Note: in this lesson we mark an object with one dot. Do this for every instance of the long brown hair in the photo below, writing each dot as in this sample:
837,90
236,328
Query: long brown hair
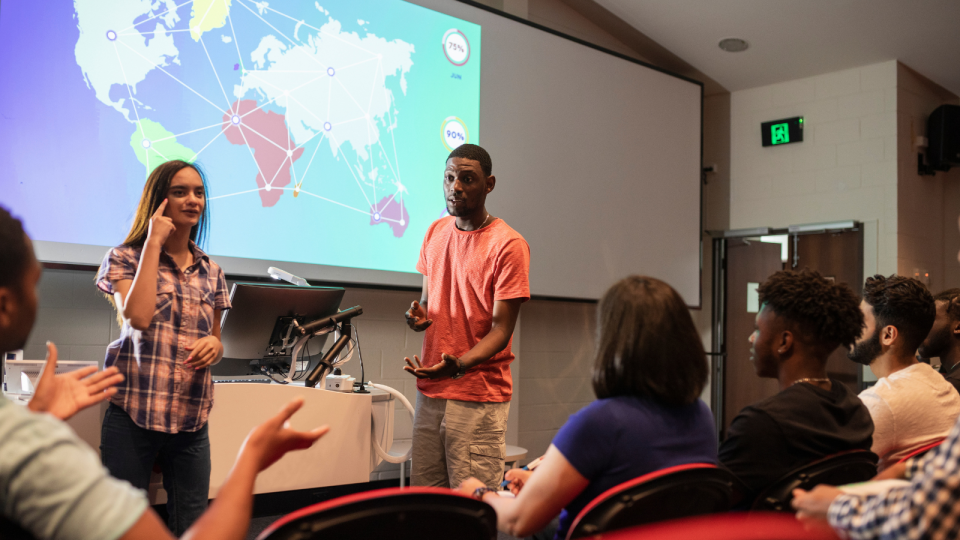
647,345
154,192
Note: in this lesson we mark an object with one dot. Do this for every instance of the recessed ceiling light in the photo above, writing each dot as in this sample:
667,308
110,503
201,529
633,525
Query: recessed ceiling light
733,44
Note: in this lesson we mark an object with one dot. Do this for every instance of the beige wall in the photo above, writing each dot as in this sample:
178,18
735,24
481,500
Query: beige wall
846,167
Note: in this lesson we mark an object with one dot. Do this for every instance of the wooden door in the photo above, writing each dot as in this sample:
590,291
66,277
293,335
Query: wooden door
747,262
838,256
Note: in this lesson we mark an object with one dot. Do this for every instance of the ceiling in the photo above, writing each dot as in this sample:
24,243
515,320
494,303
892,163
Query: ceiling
793,39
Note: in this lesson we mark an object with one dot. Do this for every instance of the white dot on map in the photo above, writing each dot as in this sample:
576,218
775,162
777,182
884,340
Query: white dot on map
327,126
235,119
403,222
145,143
376,216
331,71
268,187
289,153
111,35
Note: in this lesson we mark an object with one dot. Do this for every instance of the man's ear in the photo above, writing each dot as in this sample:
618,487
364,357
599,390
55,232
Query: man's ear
888,335
7,307
785,346
491,183
955,329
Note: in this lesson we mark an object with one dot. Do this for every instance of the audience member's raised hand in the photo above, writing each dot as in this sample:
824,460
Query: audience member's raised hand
516,478
65,395
269,441
814,504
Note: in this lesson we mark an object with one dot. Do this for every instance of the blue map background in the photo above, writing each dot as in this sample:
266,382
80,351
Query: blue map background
73,176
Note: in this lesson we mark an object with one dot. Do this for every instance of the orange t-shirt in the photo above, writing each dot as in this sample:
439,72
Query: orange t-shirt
467,271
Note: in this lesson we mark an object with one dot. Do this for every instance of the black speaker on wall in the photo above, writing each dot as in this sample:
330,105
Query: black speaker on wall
943,137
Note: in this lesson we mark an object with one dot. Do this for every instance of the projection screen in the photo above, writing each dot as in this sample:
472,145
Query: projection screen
323,129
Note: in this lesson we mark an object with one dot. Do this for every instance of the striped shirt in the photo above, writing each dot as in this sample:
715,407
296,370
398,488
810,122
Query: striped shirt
160,392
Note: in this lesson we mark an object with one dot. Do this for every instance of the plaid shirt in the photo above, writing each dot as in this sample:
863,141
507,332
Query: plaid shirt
929,508
159,392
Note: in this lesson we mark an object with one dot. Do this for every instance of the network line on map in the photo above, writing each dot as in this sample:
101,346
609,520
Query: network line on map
235,118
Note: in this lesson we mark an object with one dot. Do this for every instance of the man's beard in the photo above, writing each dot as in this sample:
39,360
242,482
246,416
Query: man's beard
867,350
935,344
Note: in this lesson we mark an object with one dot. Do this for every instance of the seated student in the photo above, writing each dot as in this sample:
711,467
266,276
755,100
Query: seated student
943,341
648,374
52,484
911,405
802,320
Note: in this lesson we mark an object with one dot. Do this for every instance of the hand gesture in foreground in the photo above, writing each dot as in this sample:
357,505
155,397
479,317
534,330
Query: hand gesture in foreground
269,441
161,227
65,395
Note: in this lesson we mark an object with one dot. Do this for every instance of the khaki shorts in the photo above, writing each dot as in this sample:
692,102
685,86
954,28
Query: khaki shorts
454,440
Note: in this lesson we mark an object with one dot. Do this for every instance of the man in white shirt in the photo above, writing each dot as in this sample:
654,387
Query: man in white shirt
912,405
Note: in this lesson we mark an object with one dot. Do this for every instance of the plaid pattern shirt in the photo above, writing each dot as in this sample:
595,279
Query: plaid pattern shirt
929,508
159,392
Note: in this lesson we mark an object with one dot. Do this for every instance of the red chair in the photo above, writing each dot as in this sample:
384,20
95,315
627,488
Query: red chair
835,470
682,491
920,451
732,526
416,513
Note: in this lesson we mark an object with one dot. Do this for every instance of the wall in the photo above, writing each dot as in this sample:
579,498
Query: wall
927,235
846,167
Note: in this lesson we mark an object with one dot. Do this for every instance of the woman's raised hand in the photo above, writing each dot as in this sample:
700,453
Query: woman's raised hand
161,227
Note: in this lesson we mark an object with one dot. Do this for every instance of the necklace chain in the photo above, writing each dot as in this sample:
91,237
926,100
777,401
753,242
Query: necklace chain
482,225
810,380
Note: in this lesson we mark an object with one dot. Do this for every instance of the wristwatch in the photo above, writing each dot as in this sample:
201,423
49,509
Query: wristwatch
481,491
461,371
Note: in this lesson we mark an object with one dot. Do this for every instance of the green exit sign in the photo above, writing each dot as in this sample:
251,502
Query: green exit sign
778,132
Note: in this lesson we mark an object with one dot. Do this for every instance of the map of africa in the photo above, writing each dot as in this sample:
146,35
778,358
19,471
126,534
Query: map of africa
324,119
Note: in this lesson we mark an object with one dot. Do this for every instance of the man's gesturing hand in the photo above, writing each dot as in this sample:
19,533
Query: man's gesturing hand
65,395
448,368
417,318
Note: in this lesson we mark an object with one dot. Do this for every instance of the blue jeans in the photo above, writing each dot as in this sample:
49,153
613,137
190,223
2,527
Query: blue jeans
129,452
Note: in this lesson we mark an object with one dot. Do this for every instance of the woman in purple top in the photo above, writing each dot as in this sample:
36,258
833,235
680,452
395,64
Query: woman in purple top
649,371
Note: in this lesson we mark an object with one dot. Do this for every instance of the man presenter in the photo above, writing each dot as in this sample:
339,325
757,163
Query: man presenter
475,276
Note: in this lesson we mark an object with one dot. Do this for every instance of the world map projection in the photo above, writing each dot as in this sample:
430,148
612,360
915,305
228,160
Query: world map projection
322,127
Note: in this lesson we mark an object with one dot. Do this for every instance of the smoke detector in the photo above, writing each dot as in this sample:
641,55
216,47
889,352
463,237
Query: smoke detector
733,44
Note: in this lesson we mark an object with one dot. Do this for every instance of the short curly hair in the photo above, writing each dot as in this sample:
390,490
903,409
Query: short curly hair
826,313
476,153
15,253
952,298
904,303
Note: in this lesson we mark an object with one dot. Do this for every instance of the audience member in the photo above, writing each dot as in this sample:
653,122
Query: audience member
52,483
911,405
803,318
943,341
648,374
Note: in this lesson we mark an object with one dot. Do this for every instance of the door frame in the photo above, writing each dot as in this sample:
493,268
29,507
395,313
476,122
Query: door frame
717,356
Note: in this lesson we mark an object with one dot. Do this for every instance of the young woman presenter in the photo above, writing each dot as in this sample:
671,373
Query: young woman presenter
170,296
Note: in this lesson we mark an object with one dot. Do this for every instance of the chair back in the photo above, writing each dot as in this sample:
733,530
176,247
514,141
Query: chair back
921,451
415,513
835,470
729,526
682,491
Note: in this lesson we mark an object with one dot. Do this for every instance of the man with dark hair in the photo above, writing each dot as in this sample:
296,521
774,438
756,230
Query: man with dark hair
52,485
803,319
943,341
911,405
475,276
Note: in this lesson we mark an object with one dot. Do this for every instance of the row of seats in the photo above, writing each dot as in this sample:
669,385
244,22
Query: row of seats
674,493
